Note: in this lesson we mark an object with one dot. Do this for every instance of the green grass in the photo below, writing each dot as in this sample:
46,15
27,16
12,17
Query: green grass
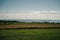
30,34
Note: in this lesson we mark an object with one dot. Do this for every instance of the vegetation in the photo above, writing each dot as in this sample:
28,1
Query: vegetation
18,22
29,25
30,34
15,30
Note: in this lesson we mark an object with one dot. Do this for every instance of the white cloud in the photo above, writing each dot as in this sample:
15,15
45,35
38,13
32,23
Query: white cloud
27,12
53,11
59,11
30,16
43,11
35,11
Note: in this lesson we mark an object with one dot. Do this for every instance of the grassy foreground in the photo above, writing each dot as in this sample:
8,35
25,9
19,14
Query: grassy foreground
30,34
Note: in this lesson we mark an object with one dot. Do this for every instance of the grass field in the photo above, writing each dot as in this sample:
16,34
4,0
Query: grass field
29,34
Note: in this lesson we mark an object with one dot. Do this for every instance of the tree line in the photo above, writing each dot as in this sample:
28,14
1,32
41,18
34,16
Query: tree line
17,22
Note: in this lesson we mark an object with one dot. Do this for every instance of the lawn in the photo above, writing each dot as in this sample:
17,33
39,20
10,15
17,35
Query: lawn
29,34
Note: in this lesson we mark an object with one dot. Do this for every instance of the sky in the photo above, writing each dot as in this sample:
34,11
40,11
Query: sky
30,9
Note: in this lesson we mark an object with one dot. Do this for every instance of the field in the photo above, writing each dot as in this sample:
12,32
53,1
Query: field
30,25
29,31
17,24
29,34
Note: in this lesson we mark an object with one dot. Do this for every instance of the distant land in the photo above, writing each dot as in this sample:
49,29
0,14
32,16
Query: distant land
28,23
32,20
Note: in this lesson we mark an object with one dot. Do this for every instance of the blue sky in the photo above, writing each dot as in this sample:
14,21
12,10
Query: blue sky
30,9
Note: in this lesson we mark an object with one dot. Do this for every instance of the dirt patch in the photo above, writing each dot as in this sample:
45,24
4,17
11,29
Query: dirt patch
29,25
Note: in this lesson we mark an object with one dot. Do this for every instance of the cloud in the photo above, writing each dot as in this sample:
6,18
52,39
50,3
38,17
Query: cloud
35,11
30,16
53,11
59,11
52,15
44,11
